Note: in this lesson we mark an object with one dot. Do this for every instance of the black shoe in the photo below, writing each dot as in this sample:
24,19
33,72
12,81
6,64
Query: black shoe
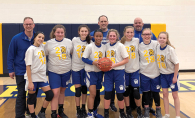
139,112
106,114
129,115
61,114
53,115
122,115
79,114
113,108
83,113
152,110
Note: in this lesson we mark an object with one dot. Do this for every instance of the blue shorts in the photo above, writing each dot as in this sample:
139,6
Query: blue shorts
115,77
148,84
78,77
94,78
58,80
37,85
166,82
132,79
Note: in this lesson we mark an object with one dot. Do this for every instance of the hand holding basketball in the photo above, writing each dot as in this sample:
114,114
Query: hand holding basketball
105,64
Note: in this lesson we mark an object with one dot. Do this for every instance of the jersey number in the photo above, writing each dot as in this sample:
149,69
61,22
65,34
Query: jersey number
61,56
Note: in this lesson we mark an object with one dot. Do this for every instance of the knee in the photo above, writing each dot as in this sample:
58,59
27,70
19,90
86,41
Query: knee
107,95
136,93
175,96
62,90
49,95
165,95
84,89
127,92
32,98
78,92
120,96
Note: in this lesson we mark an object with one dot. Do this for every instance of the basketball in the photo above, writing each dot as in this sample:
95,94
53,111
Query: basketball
105,64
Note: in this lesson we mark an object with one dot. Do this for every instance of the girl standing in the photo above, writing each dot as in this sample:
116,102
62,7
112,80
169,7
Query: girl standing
117,53
35,76
58,49
169,66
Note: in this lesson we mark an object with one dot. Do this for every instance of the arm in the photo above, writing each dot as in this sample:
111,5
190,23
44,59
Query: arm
124,61
175,73
30,83
86,60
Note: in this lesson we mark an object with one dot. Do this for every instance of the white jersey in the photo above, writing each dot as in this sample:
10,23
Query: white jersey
94,53
36,58
132,50
59,55
116,54
78,49
148,64
166,59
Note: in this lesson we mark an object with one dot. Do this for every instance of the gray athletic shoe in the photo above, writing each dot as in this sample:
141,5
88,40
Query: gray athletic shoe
41,115
158,113
28,116
147,112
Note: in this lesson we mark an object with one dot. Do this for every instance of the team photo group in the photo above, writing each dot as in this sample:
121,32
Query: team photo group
135,66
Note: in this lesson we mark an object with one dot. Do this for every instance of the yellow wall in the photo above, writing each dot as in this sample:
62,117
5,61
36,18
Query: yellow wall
157,28
1,50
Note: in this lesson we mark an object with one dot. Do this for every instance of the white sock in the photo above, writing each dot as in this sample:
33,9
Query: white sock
167,115
177,117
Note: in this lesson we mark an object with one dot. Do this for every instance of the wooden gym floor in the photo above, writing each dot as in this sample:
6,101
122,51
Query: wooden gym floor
186,94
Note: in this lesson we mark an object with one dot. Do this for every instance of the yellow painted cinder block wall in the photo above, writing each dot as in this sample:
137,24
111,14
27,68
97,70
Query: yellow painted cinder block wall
1,50
157,28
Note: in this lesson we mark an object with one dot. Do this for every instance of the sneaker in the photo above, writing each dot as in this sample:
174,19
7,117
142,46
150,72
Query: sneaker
129,115
96,115
53,115
27,116
106,114
113,108
158,113
90,115
41,115
147,112
61,114
83,112
79,114
166,116
152,110
139,113
122,115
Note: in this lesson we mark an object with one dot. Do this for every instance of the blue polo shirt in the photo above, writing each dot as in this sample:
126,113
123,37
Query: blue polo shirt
16,53
137,34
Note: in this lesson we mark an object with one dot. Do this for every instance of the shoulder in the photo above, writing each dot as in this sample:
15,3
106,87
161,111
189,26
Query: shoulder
18,36
68,40
75,39
135,39
92,33
51,40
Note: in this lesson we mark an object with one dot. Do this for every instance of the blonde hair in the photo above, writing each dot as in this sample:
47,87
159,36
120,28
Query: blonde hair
123,39
168,41
54,29
115,31
147,29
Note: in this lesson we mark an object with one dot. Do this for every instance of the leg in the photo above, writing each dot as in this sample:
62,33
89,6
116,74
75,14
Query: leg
176,102
156,97
166,100
54,102
31,100
146,98
92,90
77,94
84,98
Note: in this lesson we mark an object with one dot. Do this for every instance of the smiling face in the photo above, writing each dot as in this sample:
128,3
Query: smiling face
28,25
103,23
39,39
162,39
59,34
129,33
98,36
83,32
138,24
112,37
146,35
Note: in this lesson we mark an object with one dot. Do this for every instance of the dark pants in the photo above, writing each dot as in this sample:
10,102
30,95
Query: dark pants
20,107
112,96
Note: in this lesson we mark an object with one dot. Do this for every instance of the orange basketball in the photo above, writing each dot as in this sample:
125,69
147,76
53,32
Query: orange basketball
105,64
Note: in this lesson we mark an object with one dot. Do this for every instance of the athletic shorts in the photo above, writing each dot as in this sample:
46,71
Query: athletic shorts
132,79
166,82
58,80
149,84
78,77
94,78
36,85
116,77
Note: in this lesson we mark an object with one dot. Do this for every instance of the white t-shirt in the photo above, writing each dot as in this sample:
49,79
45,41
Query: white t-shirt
166,59
78,49
116,54
36,58
148,64
94,53
132,49
59,55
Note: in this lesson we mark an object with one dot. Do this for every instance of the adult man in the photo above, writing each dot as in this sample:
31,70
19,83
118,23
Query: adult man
138,26
103,25
16,64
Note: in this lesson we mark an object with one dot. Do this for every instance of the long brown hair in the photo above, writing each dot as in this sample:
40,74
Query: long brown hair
123,39
168,41
54,29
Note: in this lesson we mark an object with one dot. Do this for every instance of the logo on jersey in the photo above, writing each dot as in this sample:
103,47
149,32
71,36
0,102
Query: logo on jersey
63,49
157,86
121,87
43,54
83,49
136,81
151,52
162,58
132,48
112,53
100,55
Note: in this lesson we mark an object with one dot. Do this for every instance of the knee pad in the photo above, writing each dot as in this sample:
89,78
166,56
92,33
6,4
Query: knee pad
146,98
84,89
127,92
78,92
107,95
32,98
49,95
136,93
120,96
156,97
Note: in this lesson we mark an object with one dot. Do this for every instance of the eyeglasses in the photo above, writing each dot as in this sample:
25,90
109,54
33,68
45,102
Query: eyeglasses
146,34
30,24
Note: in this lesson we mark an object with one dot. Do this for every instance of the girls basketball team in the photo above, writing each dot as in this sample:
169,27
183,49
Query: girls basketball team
149,65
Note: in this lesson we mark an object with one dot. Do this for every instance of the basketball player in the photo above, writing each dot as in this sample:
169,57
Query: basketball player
58,49
117,53
169,65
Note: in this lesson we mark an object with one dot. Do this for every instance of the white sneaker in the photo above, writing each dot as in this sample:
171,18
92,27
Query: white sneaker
166,116
27,116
